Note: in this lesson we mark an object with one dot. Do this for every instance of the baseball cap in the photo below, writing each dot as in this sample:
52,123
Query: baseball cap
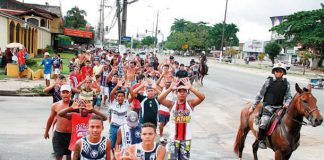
181,87
65,88
46,54
132,119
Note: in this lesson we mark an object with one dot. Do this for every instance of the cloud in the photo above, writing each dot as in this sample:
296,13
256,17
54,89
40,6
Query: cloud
251,16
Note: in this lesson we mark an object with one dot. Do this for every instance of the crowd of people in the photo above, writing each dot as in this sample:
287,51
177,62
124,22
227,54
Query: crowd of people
140,94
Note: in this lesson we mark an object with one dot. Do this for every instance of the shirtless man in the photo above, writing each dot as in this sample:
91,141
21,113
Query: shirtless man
62,133
131,71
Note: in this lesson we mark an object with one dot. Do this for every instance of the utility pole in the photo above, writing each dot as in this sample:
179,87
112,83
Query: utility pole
118,20
224,22
102,22
156,28
124,18
101,28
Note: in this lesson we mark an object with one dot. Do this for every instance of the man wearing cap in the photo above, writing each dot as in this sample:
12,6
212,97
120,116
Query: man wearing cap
62,133
48,63
130,132
276,94
181,112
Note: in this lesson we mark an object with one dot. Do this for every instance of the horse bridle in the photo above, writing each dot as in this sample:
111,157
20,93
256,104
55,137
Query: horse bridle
307,110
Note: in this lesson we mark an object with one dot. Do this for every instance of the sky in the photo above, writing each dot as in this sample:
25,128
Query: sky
252,17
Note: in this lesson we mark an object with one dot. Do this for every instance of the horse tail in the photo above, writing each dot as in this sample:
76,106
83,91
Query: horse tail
242,132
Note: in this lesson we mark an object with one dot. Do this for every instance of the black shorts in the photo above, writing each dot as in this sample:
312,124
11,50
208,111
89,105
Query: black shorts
164,118
61,142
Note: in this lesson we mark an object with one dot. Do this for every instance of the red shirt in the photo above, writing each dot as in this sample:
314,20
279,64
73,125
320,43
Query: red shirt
79,128
76,79
136,103
21,57
86,71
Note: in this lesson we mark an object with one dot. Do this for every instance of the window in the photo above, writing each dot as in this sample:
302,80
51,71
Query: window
33,21
11,32
18,33
43,23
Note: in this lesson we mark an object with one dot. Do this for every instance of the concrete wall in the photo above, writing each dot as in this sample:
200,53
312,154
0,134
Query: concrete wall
44,39
3,33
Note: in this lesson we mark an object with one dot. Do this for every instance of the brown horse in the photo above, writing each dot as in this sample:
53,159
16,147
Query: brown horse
285,137
203,70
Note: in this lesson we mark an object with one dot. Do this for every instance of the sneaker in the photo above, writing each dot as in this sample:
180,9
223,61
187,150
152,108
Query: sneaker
262,145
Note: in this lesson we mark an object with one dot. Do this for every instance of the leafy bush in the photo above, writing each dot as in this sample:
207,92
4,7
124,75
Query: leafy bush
31,62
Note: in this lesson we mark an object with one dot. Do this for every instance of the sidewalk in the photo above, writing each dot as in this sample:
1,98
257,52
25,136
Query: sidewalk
266,65
17,87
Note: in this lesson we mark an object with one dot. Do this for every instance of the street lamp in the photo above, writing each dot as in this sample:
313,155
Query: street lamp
157,24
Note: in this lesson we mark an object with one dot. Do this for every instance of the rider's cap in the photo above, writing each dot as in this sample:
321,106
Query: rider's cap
280,66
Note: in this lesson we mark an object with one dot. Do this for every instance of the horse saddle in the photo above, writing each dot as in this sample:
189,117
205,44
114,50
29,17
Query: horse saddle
274,120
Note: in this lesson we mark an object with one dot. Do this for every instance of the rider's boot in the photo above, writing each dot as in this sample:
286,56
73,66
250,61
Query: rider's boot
261,137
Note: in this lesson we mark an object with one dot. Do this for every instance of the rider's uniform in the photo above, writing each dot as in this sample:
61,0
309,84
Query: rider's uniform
275,93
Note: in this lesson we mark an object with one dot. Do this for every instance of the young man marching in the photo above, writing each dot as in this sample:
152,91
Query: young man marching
181,112
146,150
93,146
79,120
62,133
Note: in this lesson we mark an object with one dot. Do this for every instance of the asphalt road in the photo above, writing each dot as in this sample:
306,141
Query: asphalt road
215,121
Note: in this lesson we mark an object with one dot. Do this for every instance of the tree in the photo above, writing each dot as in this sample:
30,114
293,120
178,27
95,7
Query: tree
261,57
148,40
230,38
305,28
305,57
272,49
75,18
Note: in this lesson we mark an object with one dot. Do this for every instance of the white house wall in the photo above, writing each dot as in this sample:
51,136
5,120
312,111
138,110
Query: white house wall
4,32
44,39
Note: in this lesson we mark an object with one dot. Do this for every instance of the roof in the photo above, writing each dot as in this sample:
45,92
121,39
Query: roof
53,9
19,6
19,13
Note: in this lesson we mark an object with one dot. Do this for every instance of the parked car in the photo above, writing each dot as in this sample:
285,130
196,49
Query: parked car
227,59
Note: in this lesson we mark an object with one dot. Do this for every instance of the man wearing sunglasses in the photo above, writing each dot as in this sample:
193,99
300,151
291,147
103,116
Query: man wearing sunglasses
276,94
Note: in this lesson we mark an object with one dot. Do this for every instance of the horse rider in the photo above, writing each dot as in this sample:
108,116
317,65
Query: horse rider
203,58
276,94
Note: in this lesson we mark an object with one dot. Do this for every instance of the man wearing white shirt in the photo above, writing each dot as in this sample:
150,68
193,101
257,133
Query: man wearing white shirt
118,110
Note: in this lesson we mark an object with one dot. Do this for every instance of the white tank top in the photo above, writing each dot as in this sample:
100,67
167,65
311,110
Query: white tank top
183,116
170,97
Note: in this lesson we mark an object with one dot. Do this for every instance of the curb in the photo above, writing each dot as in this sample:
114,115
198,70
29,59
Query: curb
16,94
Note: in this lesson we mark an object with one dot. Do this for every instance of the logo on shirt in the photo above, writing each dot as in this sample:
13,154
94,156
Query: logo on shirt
94,154
181,116
138,134
81,130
